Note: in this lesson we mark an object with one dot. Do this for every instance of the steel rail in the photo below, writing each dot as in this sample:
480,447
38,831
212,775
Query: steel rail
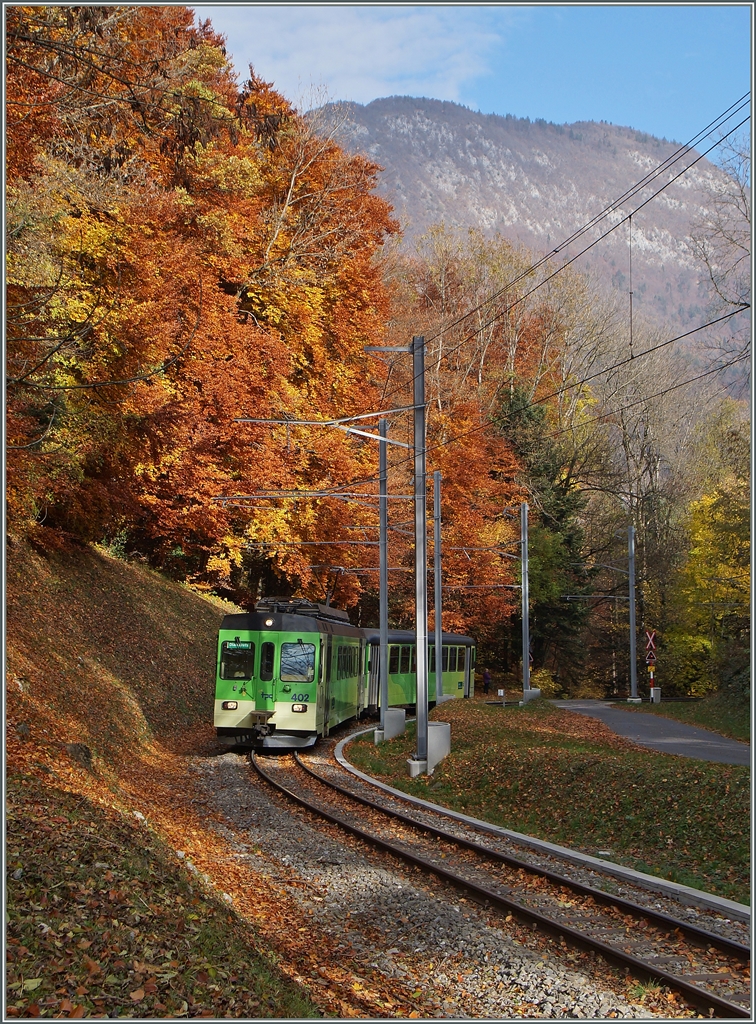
691,931
640,968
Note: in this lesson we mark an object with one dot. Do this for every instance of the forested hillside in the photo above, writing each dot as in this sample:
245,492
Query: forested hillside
188,255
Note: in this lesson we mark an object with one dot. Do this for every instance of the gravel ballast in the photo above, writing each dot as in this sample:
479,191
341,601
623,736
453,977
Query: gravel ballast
413,930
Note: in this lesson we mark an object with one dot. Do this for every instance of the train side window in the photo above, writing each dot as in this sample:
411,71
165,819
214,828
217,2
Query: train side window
413,664
432,667
393,660
452,659
404,666
298,662
237,659
444,659
460,659
267,652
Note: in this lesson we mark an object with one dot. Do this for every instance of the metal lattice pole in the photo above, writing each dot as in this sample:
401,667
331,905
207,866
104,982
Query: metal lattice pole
437,580
421,541
525,598
383,563
631,572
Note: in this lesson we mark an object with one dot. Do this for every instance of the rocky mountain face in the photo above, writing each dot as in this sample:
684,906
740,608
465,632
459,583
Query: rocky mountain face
536,183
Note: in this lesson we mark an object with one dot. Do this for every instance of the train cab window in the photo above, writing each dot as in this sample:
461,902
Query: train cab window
237,659
267,652
444,659
393,660
404,665
297,662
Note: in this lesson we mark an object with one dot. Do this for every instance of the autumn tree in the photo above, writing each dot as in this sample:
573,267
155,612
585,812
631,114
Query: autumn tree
709,634
505,350
182,252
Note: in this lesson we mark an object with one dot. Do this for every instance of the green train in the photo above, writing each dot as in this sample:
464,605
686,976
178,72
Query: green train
291,670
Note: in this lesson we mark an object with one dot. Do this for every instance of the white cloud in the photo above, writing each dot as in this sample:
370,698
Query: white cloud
359,53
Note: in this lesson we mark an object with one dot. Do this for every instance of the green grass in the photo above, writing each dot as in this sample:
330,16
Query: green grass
101,920
720,713
564,778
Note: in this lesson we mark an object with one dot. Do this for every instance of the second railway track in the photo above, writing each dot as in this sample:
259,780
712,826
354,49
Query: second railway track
710,971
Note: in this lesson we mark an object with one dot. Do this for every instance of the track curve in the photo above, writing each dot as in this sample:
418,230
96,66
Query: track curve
577,915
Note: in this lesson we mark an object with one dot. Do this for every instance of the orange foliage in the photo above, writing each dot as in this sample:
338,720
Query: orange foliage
184,253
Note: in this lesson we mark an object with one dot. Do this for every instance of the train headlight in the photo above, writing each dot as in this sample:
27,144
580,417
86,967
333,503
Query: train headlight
230,705
269,622
299,707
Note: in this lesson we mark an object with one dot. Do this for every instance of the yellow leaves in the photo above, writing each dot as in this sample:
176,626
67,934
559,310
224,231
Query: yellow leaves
227,173
182,197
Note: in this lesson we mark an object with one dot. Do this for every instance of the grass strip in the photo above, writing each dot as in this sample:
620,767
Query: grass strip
568,779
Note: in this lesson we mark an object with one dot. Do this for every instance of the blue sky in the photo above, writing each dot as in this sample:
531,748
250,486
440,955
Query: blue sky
664,69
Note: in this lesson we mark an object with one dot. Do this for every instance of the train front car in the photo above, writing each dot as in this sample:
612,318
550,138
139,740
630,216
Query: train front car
283,674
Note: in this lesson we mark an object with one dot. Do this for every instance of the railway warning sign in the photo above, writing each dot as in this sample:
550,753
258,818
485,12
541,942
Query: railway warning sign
651,640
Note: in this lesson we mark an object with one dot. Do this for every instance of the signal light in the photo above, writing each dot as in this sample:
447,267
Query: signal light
299,707
230,705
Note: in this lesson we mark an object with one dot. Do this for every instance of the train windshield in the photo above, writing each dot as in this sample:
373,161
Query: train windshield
297,662
237,659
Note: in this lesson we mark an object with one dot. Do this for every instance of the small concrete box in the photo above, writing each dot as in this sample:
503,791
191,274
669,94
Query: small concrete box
655,694
394,723
439,743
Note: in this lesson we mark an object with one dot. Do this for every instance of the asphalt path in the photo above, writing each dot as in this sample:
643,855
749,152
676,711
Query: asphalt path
661,733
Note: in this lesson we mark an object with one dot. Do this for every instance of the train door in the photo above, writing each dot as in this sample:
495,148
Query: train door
468,662
373,668
327,686
320,712
321,721
361,680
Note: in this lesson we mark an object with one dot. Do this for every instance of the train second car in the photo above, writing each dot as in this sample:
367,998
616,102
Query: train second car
291,670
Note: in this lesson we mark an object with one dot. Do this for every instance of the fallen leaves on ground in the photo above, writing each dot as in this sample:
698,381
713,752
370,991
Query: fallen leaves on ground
569,779
109,693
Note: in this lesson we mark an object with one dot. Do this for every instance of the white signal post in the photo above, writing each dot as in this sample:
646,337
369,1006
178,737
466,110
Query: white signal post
655,691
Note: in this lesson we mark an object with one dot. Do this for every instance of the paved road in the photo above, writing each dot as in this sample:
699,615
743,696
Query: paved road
661,733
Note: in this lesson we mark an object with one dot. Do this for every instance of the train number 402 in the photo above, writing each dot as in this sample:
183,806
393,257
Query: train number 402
300,696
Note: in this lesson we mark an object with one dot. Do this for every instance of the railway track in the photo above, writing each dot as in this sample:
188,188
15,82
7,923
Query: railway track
710,971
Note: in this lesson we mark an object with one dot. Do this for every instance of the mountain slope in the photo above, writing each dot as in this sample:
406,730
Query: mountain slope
536,183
